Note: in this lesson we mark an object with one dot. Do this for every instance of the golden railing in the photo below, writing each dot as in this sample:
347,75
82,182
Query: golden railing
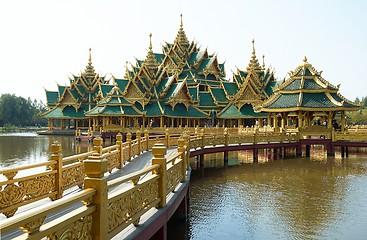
108,207
105,208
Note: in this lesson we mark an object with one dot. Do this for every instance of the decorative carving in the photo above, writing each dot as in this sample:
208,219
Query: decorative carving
124,209
113,159
73,176
81,229
173,177
11,195
10,175
33,226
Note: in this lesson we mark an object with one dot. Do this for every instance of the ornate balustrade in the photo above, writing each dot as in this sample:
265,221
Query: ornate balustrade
76,223
108,206
111,206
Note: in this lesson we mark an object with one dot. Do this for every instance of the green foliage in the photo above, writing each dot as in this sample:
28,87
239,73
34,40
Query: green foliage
20,112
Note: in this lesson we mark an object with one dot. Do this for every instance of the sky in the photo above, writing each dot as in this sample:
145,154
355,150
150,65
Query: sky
43,42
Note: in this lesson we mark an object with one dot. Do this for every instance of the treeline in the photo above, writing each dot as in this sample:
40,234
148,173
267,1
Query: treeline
358,117
20,112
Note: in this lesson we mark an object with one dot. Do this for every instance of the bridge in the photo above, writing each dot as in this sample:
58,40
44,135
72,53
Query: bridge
94,195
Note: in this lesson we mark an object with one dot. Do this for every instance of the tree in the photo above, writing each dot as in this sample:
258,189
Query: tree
20,112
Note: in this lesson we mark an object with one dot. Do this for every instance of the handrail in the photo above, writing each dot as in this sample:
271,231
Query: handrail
131,176
42,211
36,165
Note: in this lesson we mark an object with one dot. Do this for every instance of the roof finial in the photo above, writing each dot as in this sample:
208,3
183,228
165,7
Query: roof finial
305,59
90,56
150,41
263,66
181,25
253,46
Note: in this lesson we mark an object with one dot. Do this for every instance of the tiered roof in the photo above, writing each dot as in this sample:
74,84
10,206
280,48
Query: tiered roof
249,89
81,95
306,90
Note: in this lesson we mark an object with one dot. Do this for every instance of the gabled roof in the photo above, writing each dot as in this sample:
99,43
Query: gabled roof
246,111
306,90
68,112
230,88
52,98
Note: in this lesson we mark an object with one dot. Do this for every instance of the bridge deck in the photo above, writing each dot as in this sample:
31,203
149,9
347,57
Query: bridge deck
137,163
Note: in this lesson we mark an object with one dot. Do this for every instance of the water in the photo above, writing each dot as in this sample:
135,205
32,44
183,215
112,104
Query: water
303,198
19,149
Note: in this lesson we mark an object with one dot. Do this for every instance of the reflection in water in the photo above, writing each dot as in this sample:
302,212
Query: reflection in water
303,198
18,149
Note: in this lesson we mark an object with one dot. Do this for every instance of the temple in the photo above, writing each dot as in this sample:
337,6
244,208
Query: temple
187,86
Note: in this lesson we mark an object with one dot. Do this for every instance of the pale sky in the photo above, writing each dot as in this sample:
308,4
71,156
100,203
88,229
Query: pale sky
44,42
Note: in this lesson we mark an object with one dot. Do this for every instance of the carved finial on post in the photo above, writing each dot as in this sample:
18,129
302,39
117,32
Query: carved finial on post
138,136
159,151
226,138
181,149
119,144
56,155
97,145
129,142
95,167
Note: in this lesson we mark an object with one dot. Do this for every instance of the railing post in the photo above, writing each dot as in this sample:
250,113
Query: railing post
97,145
138,136
282,135
187,145
56,155
95,167
159,151
146,135
255,135
226,137
202,137
119,144
181,149
129,143
167,137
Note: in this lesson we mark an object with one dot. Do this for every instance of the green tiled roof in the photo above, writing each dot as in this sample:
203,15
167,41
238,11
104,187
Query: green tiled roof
105,89
205,63
195,57
246,111
193,92
230,87
269,87
153,109
219,94
206,99
122,83
316,100
75,94
174,88
181,111
114,111
52,98
159,57
61,89
285,101
68,112
163,84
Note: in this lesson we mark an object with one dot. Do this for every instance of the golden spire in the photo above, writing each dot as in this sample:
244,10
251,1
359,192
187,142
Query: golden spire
254,63
263,66
181,35
150,42
89,70
150,60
